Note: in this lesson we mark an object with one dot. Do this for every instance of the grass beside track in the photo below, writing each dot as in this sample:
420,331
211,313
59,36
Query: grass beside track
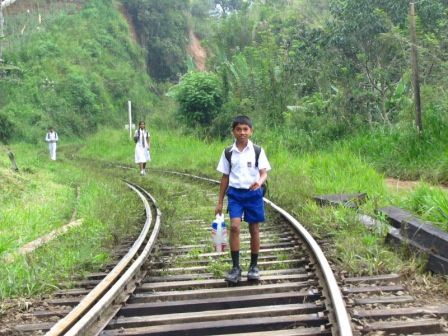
41,198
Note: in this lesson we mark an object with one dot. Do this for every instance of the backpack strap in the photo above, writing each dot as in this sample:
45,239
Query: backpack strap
257,154
228,155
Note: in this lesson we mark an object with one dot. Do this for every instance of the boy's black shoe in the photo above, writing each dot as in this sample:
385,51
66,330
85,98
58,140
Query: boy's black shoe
234,276
253,273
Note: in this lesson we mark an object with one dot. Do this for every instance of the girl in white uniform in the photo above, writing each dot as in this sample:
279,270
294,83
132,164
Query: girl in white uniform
52,139
142,145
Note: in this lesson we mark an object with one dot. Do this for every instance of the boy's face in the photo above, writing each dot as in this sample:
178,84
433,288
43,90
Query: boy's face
242,132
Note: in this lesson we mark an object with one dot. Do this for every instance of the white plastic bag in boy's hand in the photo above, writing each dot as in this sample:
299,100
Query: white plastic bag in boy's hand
219,233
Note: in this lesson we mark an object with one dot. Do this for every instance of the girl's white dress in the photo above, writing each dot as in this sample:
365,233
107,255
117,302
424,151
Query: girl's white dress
52,138
142,147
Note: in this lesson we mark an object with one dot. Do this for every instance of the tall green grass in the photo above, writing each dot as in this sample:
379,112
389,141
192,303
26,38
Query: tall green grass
430,203
398,151
42,197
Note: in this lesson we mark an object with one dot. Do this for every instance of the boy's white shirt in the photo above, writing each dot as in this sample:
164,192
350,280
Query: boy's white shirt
51,136
243,173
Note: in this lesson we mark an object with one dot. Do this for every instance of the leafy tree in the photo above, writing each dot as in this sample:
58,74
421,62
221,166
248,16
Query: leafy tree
374,52
200,98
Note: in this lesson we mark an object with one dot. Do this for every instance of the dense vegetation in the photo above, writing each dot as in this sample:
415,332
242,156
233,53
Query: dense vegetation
76,72
316,72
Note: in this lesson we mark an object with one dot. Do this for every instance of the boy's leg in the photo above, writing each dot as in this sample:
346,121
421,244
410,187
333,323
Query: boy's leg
254,230
235,213
253,272
234,238
254,214
234,275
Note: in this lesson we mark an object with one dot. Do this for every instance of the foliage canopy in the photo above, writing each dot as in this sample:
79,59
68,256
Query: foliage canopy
200,98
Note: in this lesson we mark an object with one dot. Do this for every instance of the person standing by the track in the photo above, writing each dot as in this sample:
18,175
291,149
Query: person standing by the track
142,147
52,138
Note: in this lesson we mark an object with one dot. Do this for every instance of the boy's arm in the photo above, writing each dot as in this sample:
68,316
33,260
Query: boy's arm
222,191
263,176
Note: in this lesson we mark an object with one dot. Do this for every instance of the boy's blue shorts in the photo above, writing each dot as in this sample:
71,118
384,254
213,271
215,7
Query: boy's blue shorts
246,202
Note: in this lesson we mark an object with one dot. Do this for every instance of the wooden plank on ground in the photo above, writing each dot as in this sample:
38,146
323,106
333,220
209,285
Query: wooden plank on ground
427,235
295,262
435,263
247,252
224,326
385,300
317,331
216,315
31,246
441,310
373,278
187,277
34,327
241,301
372,289
395,215
405,327
215,283
438,264
220,292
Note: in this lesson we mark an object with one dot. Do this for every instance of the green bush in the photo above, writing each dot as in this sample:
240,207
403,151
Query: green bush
200,98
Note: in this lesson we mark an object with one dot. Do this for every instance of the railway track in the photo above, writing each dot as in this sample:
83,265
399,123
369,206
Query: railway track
178,288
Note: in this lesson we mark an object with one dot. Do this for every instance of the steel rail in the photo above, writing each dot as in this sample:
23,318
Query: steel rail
89,309
340,311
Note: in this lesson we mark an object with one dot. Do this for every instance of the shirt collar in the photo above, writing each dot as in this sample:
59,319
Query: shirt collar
250,145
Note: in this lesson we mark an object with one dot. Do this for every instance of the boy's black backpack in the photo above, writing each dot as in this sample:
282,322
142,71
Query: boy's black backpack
257,149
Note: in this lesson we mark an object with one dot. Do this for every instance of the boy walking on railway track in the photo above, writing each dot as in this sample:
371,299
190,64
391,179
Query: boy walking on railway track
244,168
142,145
52,138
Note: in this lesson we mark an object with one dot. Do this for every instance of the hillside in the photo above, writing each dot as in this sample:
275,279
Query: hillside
77,68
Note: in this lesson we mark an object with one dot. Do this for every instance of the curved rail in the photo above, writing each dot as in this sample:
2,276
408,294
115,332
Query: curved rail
91,307
340,311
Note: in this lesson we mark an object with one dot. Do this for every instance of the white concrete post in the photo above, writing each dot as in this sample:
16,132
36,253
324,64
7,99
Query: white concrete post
130,119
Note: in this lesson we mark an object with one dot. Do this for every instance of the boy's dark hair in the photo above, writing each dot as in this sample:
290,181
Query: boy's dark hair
242,119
